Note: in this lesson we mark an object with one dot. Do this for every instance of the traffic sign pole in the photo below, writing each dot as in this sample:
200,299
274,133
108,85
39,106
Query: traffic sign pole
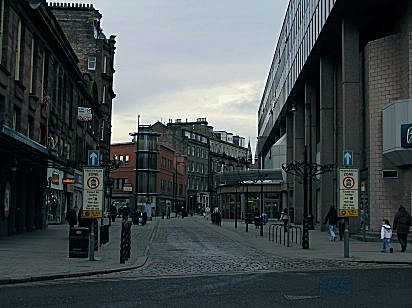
91,241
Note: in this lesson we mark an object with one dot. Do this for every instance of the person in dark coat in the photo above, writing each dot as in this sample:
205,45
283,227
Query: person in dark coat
71,217
332,218
113,212
401,224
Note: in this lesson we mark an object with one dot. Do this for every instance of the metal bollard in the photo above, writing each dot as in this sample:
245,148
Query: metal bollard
128,240
123,244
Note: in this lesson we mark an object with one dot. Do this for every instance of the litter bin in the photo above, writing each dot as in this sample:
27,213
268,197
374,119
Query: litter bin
79,242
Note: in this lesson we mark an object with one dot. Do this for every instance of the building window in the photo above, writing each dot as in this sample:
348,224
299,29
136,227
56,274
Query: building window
31,86
91,63
102,130
1,28
104,64
16,119
126,159
18,52
104,95
30,128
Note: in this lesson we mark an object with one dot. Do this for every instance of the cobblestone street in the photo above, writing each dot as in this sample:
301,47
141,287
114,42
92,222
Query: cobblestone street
193,246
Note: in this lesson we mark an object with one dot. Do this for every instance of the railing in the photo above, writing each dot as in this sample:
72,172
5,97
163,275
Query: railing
279,231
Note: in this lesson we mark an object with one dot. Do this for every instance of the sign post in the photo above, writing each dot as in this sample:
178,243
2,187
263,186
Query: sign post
93,194
348,200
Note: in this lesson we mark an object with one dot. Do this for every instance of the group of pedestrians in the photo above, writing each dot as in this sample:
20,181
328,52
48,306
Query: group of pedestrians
401,223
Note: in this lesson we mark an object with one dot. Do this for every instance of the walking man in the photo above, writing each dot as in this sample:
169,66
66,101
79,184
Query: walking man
401,224
332,218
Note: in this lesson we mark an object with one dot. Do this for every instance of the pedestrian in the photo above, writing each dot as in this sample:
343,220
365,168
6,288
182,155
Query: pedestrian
332,218
71,217
257,220
168,213
113,212
126,211
401,224
285,218
386,236
341,227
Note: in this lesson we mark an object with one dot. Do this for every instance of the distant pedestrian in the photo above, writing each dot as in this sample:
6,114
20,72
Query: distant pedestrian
125,211
113,212
386,236
401,224
332,218
71,217
168,213
285,218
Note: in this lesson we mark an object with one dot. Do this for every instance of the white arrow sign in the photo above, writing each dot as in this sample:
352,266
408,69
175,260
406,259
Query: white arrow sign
93,158
347,158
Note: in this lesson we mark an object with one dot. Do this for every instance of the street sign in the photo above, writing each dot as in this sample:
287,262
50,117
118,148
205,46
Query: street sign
347,158
84,114
93,191
127,187
93,158
348,192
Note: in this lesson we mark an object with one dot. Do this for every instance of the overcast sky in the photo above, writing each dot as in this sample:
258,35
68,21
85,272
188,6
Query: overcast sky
189,59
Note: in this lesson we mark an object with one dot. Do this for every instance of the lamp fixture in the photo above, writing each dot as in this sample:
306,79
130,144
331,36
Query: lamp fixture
34,4
293,108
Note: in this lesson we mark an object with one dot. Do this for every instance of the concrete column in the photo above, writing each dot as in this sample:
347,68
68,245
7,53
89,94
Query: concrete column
351,97
289,158
298,155
327,142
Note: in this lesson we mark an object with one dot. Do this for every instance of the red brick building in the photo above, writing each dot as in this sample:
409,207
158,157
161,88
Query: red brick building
171,179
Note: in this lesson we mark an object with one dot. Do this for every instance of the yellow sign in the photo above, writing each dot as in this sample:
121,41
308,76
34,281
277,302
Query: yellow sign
348,213
92,214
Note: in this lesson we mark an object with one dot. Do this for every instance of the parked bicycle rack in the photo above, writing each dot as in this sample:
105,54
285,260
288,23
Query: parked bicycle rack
277,231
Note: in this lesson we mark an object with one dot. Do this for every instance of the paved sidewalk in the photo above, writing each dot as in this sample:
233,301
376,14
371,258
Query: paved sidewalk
320,247
44,254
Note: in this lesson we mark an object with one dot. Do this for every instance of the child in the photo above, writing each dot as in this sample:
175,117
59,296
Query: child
386,236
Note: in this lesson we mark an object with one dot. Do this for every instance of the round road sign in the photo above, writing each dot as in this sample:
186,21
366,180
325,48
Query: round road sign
93,182
348,182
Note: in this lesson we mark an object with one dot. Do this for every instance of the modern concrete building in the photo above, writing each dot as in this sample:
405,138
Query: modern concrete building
340,82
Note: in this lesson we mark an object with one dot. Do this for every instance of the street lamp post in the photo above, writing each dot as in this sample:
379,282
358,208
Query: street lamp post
236,205
306,171
261,178
136,189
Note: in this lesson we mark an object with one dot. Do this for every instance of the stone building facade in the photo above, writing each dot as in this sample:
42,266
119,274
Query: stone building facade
41,141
